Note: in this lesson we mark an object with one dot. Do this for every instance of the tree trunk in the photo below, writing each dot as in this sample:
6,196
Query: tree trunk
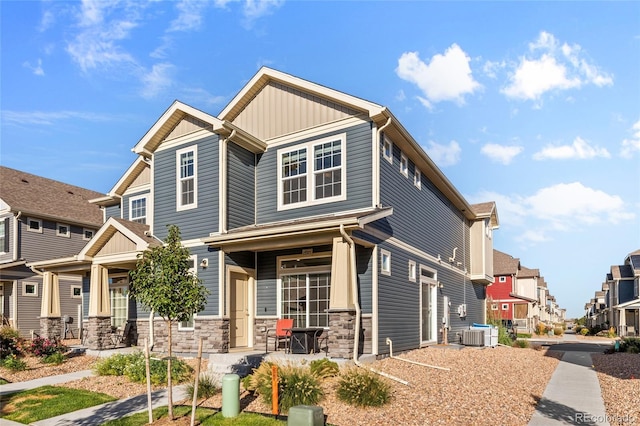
169,383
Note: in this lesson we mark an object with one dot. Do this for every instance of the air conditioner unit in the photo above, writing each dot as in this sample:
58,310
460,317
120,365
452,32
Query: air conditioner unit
473,337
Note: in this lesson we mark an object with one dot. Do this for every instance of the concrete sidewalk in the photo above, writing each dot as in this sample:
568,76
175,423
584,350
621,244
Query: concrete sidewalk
572,396
44,381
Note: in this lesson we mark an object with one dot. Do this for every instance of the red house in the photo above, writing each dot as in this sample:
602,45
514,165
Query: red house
501,303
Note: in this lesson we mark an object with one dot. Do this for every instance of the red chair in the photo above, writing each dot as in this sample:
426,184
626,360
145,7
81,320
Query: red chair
282,333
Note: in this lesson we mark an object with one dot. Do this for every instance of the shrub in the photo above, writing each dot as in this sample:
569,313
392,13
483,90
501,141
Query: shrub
324,368
133,367
55,359
558,331
363,389
13,363
584,331
524,336
521,344
630,345
207,387
43,347
541,329
611,333
503,336
296,385
10,342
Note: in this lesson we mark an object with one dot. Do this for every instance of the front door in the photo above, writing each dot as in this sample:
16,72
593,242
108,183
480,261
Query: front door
239,310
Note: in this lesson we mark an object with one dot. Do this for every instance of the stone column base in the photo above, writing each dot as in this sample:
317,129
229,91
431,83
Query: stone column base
51,327
341,333
214,333
99,333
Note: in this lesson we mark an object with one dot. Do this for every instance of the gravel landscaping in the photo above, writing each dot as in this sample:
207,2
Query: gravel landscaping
485,386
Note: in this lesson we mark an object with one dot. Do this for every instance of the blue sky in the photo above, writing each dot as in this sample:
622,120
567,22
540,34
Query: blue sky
535,105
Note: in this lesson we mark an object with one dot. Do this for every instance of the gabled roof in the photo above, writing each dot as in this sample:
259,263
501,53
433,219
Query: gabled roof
487,210
380,115
504,264
528,273
114,195
47,198
138,233
621,272
176,113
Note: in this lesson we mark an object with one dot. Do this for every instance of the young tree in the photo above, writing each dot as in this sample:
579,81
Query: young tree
162,282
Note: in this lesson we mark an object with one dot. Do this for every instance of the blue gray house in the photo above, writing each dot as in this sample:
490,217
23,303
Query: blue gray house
296,201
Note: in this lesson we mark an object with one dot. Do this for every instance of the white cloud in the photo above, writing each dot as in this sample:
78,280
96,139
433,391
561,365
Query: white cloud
444,155
445,78
256,9
503,154
36,69
199,96
157,80
631,146
564,207
579,149
491,68
42,118
400,96
47,21
190,15
552,67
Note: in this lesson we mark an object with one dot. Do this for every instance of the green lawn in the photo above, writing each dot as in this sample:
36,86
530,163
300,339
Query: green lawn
206,417
48,401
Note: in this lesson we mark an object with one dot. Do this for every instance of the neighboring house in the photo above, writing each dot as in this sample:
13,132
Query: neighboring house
624,295
41,219
297,201
500,299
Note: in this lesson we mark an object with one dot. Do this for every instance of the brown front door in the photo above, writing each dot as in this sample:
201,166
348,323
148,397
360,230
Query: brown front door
239,310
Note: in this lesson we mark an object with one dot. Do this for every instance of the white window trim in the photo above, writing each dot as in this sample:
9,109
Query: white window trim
61,234
73,296
389,157
404,165
417,179
24,289
385,269
179,152
412,271
84,234
131,200
505,306
494,306
39,230
502,279
194,271
311,173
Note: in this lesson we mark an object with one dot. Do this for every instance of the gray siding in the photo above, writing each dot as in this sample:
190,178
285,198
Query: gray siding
113,211
28,315
241,187
126,203
364,265
68,304
244,259
193,223
358,171
209,277
36,246
625,291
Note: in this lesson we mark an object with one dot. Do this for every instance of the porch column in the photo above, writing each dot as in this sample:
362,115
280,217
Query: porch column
622,328
99,322
50,321
342,314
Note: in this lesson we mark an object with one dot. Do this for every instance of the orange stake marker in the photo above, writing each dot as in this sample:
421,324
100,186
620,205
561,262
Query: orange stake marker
274,389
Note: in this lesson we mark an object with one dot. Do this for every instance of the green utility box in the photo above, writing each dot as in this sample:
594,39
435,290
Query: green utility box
305,415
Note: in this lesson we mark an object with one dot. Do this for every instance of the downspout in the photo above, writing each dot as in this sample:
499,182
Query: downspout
354,295
376,171
16,233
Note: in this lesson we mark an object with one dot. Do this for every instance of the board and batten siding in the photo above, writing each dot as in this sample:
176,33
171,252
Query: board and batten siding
37,246
358,171
193,223
241,186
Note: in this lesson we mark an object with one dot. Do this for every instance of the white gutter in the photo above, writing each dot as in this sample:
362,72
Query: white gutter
354,295
16,232
390,343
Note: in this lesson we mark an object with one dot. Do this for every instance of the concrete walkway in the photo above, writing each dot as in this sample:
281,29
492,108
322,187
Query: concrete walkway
572,396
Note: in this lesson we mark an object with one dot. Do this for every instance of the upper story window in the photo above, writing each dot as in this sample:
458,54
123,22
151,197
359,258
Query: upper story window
503,279
63,230
404,165
4,236
387,149
385,262
34,225
312,173
412,271
138,209
87,234
187,178
417,179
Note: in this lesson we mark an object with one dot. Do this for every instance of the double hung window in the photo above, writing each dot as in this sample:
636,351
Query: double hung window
187,178
138,210
312,173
